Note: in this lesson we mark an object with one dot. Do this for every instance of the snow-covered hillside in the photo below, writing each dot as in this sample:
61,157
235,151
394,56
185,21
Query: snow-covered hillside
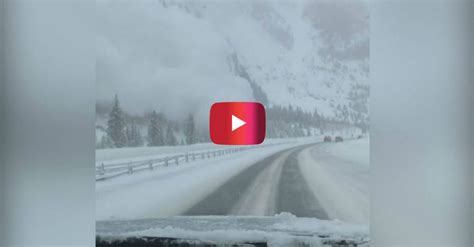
188,54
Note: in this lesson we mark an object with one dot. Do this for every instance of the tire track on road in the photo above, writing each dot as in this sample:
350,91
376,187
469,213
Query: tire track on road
295,196
261,195
270,186
223,200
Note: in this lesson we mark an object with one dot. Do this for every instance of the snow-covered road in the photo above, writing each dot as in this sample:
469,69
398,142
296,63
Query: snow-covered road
321,180
268,187
172,190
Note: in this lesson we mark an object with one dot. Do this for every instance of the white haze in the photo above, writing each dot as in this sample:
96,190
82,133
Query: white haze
174,56
146,57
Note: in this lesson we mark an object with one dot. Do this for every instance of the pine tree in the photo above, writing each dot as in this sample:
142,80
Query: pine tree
138,138
190,130
317,118
105,142
170,139
134,136
155,134
128,133
116,125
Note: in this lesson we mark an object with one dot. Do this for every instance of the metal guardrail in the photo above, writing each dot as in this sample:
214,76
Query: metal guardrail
107,171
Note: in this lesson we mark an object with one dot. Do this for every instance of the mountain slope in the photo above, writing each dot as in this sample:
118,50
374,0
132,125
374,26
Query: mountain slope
310,54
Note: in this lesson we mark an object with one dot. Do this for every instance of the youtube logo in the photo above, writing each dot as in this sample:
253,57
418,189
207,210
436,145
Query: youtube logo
237,123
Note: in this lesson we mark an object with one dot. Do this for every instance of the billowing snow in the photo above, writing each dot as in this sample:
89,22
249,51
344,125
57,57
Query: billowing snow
298,52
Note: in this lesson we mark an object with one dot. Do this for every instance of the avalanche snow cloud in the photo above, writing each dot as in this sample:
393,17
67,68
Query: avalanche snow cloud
178,57
162,59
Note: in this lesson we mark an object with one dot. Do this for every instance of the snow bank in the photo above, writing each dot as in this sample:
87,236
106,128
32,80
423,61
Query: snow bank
280,230
143,153
354,150
338,175
116,155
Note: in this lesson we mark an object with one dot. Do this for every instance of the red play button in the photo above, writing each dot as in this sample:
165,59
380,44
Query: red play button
237,123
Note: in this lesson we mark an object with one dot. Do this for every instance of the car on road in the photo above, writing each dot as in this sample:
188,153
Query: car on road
327,139
338,139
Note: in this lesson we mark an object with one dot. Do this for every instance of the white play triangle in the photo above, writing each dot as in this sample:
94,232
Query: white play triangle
237,123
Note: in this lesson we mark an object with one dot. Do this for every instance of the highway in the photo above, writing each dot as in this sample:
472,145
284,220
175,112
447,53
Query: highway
270,186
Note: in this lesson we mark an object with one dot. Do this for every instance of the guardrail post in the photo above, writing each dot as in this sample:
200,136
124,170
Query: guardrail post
208,154
186,157
130,168
102,169
177,160
194,156
151,164
202,155
214,153
166,161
